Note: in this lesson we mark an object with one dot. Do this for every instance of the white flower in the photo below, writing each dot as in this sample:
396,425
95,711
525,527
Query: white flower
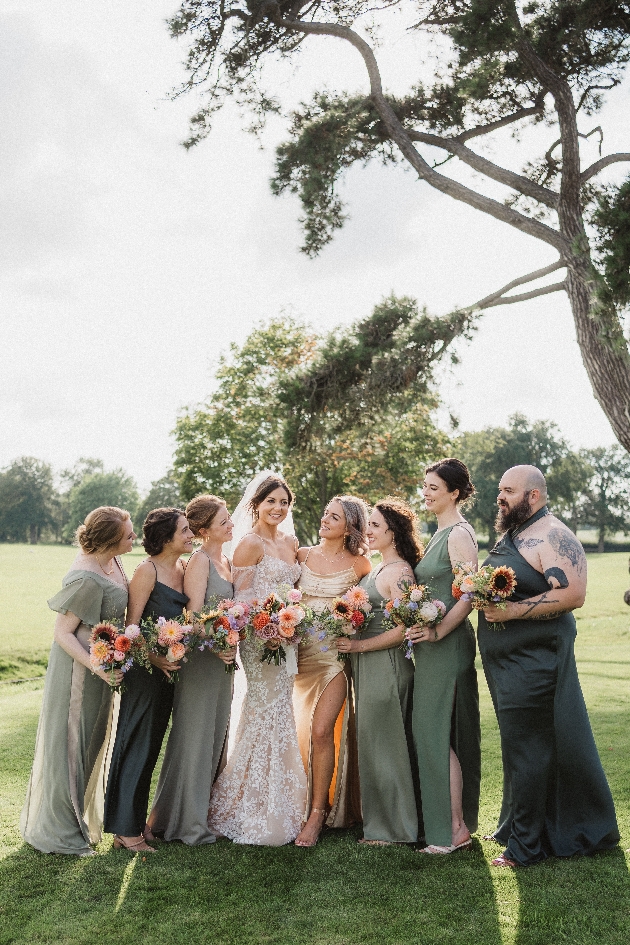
429,612
415,595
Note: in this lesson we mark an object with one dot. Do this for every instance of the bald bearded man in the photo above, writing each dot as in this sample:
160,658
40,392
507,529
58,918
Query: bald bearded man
556,800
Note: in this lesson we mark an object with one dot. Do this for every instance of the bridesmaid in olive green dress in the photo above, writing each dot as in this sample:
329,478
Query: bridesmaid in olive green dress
383,686
203,696
63,811
156,590
446,724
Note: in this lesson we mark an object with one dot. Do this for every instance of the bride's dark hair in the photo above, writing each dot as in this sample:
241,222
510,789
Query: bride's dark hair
356,513
266,487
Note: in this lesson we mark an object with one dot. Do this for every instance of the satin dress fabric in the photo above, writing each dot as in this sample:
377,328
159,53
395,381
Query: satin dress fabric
383,683
317,667
446,706
556,799
143,717
196,743
63,810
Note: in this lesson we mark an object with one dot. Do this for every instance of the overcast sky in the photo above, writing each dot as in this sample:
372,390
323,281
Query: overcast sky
128,264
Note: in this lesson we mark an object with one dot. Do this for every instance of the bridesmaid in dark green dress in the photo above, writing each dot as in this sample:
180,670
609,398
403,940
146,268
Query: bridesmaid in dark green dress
63,811
446,725
383,686
156,590
203,695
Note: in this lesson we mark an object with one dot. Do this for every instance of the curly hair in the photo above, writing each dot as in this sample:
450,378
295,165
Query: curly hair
201,511
266,487
356,513
102,529
403,522
456,476
159,527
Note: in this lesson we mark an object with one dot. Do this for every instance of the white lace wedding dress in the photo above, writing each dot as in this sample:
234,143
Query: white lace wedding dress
260,796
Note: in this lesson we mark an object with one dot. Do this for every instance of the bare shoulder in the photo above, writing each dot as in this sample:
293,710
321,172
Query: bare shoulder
303,553
249,551
362,566
198,563
462,543
145,573
562,542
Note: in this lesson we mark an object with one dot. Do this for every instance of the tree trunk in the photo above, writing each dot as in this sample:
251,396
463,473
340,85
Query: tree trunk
600,543
608,369
32,534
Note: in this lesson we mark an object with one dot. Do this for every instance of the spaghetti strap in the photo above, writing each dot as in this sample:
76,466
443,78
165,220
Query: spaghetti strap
307,554
470,530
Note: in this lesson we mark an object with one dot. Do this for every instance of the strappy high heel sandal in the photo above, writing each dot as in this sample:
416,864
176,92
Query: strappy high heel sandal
137,846
314,810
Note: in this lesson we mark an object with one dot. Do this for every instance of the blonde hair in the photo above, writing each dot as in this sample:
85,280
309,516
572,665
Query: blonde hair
201,511
102,529
356,513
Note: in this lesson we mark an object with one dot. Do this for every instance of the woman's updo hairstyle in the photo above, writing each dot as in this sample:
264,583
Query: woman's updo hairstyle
159,527
201,512
402,522
456,476
266,487
356,513
102,529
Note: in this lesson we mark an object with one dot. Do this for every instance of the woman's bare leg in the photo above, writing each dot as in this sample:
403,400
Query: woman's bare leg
323,756
459,829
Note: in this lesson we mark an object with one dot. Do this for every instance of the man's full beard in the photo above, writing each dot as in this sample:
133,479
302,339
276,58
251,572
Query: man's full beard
506,520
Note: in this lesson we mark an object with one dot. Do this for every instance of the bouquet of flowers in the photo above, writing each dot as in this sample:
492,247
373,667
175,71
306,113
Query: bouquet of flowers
223,625
173,637
112,649
486,586
416,605
345,615
277,621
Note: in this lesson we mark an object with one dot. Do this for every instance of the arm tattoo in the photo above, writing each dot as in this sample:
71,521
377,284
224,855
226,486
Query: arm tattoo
404,581
559,575
567,546
543,599
528,542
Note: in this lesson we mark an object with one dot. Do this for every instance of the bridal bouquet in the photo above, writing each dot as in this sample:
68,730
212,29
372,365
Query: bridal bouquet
278,621
345,615
486,586
415,606
222,626
173,637
112,649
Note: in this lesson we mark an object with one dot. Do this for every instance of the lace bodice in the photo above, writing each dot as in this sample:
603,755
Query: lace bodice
264,578
320,589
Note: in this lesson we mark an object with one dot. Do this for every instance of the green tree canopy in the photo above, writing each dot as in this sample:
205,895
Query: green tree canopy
96,489
27,499
507,64
164,493
318,410
606,499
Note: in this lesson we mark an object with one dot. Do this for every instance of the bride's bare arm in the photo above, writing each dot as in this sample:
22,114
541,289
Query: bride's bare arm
249,551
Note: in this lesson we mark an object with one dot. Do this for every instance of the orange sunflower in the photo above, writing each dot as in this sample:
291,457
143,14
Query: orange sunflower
503,582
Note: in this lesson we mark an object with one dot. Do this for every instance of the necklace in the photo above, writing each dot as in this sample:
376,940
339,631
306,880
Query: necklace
330,560
103,569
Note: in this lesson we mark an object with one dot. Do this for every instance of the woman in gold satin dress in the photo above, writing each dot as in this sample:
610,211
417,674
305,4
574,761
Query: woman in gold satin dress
321,693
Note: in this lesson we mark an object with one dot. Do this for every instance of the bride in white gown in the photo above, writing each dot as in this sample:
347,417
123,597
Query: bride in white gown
260,796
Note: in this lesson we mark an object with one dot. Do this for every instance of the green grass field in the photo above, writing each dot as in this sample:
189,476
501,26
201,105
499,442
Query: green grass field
338,893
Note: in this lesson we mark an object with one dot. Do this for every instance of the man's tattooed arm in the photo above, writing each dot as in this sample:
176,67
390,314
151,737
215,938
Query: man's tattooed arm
528,542
567,546
532,605
556,574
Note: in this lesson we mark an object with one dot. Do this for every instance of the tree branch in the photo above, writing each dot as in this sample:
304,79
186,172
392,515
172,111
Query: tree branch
523,296
500,123
401,137
493,298
501,174
602,163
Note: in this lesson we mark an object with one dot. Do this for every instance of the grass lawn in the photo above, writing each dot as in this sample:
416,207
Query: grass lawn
338,893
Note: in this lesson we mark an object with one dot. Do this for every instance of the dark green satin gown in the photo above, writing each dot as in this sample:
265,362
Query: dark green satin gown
383,693
556,800
145,710
446,706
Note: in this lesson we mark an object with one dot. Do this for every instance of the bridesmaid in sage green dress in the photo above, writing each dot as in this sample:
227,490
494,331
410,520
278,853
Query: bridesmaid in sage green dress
63,811
383,686
156,590
196,744
446,725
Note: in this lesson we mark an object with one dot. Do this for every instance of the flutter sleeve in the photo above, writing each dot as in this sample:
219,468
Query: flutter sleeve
82,597
243,580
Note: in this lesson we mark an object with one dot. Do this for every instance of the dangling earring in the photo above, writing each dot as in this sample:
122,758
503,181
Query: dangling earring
255,516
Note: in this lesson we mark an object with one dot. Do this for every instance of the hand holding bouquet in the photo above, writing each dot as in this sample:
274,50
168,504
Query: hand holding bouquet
278,621
416,606
171,638
486,586
222,626
345,616
115,651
